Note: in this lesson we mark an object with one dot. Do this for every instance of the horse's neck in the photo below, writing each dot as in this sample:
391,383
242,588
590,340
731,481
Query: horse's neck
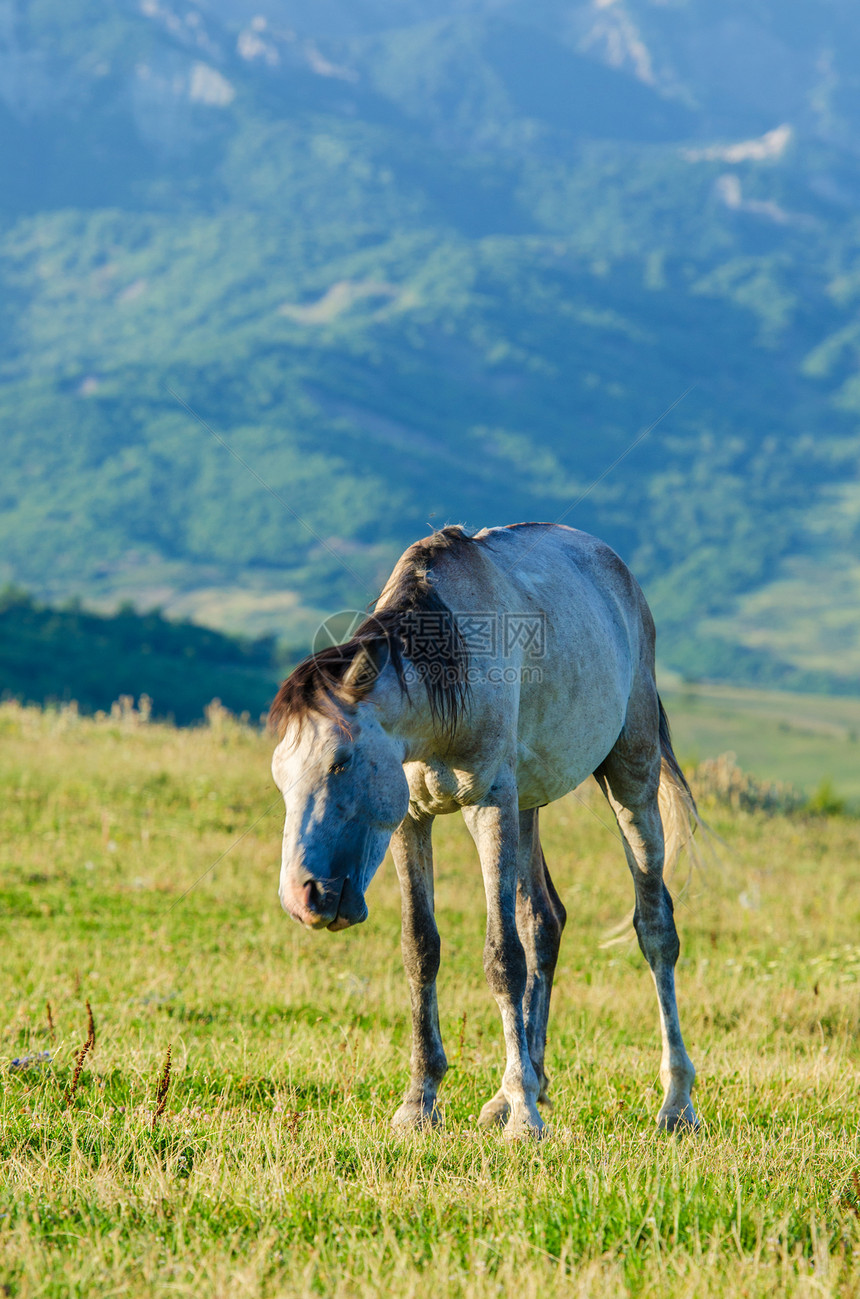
407,717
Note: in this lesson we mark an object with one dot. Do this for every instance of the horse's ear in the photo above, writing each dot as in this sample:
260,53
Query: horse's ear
362,673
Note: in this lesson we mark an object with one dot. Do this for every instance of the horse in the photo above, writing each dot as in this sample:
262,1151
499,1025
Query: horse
497,672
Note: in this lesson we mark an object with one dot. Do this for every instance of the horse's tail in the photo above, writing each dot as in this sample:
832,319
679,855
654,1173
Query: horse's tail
678,810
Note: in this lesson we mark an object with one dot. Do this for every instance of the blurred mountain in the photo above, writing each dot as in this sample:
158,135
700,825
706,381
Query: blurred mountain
282,286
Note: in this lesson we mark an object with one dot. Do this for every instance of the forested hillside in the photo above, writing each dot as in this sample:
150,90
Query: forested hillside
130,661
419,265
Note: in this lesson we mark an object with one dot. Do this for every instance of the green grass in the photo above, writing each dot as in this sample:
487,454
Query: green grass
274,1171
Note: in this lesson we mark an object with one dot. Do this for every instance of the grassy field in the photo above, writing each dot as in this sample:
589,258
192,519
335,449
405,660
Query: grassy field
805,740
272,1169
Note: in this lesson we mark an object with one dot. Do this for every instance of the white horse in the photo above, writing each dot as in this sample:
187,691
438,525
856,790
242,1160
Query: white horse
497,672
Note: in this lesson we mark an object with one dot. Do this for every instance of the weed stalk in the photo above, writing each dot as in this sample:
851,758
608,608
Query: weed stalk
162,1089
82,1055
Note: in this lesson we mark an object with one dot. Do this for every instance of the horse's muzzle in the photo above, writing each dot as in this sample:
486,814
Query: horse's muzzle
324,904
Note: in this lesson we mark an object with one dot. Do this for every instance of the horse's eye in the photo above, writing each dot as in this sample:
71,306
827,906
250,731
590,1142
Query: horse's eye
341,765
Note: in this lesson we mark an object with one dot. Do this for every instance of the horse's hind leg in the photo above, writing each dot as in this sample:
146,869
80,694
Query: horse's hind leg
540,921
412,851
630,778
549,920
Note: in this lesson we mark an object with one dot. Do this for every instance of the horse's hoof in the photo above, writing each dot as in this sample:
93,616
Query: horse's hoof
525,1126
495,1112
680,1121
415,1117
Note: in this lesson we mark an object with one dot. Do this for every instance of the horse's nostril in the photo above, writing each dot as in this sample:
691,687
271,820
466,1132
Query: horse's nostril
312,896
313,902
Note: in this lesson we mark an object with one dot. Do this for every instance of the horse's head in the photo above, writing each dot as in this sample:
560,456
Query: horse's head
339,767
345,793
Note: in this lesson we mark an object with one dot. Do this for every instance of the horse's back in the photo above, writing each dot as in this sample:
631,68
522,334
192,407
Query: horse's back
581,586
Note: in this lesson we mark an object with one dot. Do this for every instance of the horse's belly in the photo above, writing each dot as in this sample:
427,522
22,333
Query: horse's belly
543,776
563,738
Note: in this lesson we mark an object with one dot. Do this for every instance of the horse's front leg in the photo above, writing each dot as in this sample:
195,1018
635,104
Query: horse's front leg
495,828
540,920
412,851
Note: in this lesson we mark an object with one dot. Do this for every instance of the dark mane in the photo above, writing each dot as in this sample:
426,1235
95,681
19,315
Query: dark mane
414,630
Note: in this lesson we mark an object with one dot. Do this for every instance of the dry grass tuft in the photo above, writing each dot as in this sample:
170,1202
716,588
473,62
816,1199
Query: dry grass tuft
722,780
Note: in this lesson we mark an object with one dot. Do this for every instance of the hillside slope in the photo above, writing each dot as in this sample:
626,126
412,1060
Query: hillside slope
68,655
415,271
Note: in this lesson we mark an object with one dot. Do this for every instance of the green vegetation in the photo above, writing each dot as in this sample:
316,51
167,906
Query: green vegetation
68,655
806,741
443,272
272,1169
407,272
